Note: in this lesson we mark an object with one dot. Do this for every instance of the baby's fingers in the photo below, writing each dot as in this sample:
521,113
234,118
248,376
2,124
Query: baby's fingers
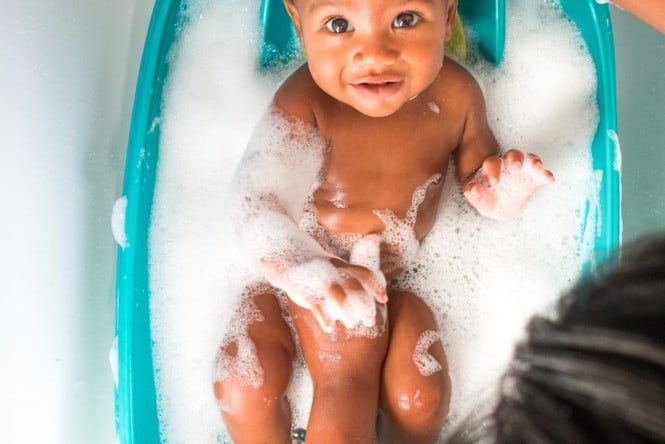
473,190
336,294
476,194
322,318
513,158
491,169
376,286
540,174
373,282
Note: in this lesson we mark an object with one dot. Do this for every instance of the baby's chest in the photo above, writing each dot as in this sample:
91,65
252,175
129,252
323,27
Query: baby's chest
379,176
385,162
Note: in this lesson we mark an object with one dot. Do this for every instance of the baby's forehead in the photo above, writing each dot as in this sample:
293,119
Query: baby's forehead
309,4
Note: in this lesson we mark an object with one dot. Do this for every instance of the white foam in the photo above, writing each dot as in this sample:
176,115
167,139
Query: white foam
118,222
328,356
274,180
614,137
238,356
113,360
482,278
405,402
426,363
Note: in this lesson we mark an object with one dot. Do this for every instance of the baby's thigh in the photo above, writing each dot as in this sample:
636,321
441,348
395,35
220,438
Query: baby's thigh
258,350
356,353
415,373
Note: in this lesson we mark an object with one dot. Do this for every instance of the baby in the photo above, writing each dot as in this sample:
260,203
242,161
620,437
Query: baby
386,112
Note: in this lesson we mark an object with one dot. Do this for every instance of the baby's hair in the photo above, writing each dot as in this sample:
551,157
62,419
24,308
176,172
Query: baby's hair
596,372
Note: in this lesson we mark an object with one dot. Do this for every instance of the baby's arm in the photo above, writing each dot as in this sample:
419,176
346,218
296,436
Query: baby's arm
496,185
651,12
268,193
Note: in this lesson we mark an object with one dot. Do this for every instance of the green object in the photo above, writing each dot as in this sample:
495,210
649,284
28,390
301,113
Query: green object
457,43
279,42
299,436
593,21
487,20
135,398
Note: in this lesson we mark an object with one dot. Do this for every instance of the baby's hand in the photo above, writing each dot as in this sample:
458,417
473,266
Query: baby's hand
502,185
336,290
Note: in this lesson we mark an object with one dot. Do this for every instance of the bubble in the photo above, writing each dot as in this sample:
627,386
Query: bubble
427,364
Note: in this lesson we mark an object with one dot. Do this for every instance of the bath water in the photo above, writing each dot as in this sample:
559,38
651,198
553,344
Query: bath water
482,278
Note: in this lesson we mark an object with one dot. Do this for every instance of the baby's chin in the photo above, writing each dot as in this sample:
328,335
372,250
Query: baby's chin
377,113
377,110
372,105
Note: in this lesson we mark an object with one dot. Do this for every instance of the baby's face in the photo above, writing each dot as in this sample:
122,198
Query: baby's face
374,55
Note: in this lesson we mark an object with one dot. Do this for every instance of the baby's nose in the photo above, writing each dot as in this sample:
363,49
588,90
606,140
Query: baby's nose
375,51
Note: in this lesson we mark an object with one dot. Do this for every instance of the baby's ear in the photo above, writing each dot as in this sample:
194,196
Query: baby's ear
292,10
450,18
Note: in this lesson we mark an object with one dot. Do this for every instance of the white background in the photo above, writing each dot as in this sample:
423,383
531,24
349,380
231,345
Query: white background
67,75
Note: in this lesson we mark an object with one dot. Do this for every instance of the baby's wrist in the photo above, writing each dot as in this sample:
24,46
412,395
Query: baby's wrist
469,177
310,277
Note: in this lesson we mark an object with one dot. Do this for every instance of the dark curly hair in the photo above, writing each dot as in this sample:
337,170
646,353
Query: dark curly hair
595,373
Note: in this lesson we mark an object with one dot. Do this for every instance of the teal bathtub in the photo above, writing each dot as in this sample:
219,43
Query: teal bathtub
135,397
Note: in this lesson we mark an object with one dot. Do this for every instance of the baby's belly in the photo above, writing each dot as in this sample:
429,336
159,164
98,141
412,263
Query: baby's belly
356,213
338,224
347,219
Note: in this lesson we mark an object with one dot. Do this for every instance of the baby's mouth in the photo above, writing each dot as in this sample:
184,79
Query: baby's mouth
378,88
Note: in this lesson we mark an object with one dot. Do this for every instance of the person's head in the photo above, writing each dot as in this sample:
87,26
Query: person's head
373,55
594,373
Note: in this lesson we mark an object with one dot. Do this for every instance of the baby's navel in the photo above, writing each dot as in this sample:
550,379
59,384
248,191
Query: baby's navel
338,200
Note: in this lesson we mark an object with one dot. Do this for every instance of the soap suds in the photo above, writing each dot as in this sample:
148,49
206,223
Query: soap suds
118,222
427,364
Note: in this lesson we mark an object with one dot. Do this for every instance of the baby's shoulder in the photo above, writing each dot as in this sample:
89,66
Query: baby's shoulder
296,95
457,85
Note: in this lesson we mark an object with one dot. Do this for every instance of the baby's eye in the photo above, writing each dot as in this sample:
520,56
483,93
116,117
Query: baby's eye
406,20
338,25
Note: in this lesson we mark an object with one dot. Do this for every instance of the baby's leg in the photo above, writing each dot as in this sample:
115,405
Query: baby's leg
345,370
415,387
254,369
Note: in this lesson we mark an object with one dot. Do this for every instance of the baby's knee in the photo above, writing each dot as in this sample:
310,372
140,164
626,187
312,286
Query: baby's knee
243,401
243,384
426,404
421,404
352,360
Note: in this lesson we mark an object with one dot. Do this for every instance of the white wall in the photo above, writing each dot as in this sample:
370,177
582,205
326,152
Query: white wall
640,58
67,75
